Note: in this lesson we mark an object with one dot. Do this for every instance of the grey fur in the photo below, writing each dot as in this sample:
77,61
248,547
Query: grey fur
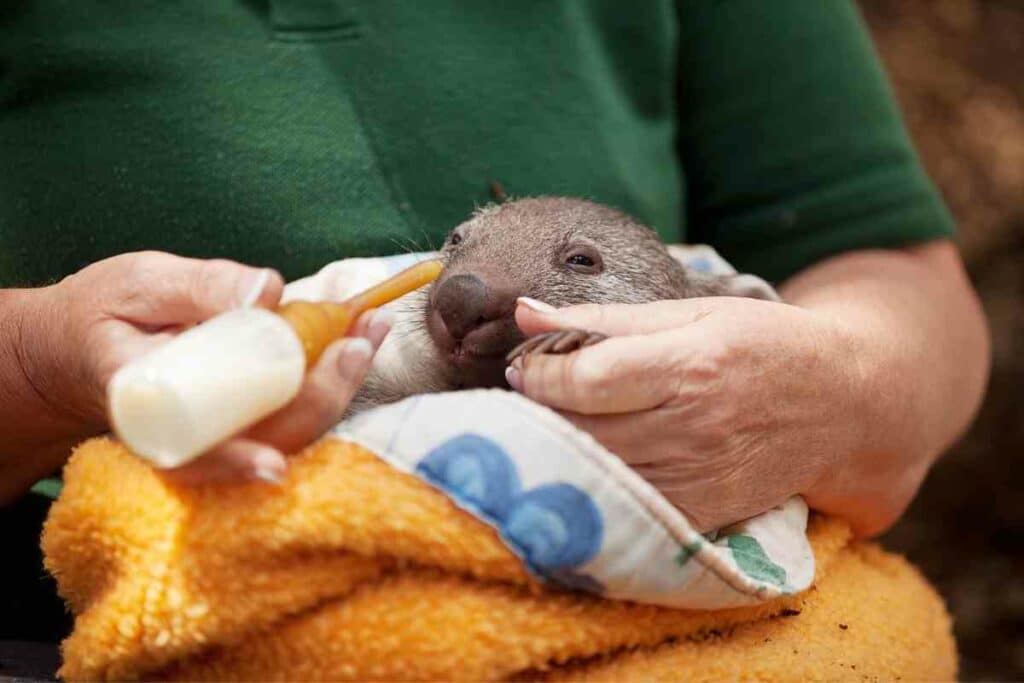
523,243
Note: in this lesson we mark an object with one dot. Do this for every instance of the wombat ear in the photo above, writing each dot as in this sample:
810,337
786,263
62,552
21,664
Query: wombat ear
749,286
707,267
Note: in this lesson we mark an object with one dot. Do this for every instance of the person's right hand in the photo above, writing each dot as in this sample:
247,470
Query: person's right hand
74,336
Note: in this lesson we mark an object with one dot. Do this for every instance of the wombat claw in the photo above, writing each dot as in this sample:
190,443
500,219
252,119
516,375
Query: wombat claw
561,341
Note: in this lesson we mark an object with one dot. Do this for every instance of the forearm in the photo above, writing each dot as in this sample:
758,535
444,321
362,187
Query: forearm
920,372
35,435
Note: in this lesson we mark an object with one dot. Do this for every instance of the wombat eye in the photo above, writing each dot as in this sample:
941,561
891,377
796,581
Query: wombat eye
584,260
454,239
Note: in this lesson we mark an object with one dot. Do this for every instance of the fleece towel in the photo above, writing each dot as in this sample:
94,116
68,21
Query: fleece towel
188,590
354,570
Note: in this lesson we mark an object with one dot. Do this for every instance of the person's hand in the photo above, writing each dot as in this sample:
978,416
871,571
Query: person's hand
729,406
77,333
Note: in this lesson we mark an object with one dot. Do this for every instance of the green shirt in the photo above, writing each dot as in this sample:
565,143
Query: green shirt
291,133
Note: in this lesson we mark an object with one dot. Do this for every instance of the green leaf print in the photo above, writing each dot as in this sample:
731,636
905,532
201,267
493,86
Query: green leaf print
751,558
686,552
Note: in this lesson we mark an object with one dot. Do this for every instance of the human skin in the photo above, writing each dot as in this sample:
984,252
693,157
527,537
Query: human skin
846,394
59,345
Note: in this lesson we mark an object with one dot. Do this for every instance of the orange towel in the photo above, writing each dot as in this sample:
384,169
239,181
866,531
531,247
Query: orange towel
353,571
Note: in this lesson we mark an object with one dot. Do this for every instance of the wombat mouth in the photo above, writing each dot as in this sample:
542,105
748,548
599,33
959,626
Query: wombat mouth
477,357
469,368
479,374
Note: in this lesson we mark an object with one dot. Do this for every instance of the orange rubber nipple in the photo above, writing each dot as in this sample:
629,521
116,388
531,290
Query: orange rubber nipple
317,324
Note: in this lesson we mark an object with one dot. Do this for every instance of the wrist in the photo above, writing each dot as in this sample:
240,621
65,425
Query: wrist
33,370
874,475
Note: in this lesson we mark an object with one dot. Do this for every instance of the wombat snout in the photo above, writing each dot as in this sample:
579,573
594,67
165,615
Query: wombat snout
461,301
465,303
470,319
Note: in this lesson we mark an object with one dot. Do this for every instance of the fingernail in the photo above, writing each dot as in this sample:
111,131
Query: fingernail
538,306
514,378
268,466
270,475
253,292
380,324
354,354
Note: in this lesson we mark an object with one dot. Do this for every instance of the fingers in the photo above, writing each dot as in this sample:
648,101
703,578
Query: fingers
328,389
161,289
259,454
124,306
619,375
119,344
535,317
233,461
667,447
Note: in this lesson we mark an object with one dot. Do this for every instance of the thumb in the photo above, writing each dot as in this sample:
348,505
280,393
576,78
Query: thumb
163,289
534,317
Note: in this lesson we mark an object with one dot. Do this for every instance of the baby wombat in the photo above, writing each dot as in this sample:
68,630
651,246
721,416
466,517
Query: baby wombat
456,334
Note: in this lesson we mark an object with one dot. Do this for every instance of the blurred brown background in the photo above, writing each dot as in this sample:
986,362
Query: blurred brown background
958,70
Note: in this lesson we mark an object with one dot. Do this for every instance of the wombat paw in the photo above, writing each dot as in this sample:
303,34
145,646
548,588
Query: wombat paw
562,341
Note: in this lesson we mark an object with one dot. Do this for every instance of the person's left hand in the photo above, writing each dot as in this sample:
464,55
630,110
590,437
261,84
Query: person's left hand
728,406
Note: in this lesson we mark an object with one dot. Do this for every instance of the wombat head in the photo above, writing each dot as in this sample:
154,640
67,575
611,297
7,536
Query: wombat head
558,250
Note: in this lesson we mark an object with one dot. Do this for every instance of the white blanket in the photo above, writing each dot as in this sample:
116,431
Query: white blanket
574,512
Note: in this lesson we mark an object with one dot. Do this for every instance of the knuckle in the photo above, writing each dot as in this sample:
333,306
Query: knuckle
219,266
144,266
547,383
141,267
140,279
715,419
152,256
586,378
588,315
206,274
210,280
275,284
714,433
329,410
701,375
534,372
610,317
335,388
707,367
599,314
712,409
325,402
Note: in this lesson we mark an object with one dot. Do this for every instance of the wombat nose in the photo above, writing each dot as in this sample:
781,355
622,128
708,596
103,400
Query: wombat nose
462,303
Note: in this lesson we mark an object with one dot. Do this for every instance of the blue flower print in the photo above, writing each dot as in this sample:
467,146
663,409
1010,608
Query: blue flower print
555,526
475,471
